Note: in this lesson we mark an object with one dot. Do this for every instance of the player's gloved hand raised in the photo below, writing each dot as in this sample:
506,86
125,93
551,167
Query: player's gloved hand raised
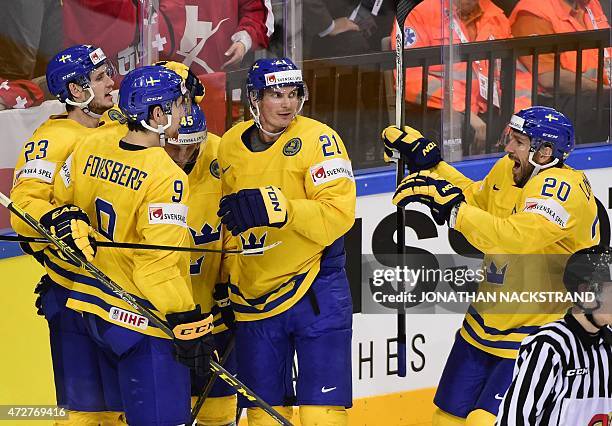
70,224
193,340
250,208
419,152
221,296
428,188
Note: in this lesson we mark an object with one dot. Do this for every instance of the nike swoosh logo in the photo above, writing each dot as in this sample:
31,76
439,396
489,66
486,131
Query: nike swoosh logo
495,188
226,169
497,396
325,390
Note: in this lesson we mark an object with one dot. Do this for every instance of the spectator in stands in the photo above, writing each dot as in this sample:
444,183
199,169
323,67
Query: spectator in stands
542,17
218,34
343,27
474,20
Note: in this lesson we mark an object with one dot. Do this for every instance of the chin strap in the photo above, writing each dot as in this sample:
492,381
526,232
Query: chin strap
84,106
537,168
604,331
589,316
161,129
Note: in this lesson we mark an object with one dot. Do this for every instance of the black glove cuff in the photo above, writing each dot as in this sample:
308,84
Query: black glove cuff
177,318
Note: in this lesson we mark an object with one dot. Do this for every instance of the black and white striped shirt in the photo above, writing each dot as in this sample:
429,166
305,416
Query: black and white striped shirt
561,377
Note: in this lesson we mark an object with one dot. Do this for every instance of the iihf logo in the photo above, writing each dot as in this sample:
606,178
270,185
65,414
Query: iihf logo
495,276
252,243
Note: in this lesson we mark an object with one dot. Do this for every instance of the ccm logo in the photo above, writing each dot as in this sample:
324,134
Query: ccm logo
576,372
194,330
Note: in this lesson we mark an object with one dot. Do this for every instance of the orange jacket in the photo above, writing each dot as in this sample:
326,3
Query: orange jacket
557,13
425,26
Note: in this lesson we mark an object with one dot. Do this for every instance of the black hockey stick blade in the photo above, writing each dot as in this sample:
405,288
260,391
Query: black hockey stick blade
403,8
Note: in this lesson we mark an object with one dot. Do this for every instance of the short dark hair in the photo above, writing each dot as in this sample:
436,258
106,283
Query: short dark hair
136,126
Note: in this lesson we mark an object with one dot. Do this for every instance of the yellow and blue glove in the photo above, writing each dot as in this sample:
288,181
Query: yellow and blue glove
419,152
428,188
70,224
250,208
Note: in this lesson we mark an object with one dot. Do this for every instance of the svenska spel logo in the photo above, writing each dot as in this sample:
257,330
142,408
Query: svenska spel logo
155,213
270,79
318,173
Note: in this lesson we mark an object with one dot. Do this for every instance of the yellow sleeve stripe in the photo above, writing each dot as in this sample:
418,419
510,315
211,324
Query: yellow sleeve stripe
502,353
92,308
502,337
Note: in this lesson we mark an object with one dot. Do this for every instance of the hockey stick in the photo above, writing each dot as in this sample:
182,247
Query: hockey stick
402,9
130,300
246,252
209,385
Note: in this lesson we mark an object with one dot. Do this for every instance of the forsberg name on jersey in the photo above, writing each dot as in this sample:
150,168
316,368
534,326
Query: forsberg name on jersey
168,214
329,170
115,172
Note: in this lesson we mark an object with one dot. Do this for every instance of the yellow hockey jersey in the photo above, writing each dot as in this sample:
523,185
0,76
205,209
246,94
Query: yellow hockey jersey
42,160
39,164
131,194
310,165
205,228
526,235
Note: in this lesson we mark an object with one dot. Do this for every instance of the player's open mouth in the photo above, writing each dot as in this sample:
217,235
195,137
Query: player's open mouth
517,165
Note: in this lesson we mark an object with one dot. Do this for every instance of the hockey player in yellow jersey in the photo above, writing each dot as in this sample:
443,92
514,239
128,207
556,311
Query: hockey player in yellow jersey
530,203
81,78
133,191
195,151
288,178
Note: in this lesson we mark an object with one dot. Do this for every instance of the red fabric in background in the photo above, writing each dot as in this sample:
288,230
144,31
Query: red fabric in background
20,93
213,104
111,25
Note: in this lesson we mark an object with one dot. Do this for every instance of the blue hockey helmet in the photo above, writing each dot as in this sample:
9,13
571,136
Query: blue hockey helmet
275,72
545,127
193,128
74,65
269,73
149,86
185,148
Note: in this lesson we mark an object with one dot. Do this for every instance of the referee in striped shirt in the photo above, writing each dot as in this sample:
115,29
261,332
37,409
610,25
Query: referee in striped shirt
562,374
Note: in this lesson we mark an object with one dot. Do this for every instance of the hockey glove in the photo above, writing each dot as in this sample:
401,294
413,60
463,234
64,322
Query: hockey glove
221,296
428,188
193,340
250,208
70,224
420,153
